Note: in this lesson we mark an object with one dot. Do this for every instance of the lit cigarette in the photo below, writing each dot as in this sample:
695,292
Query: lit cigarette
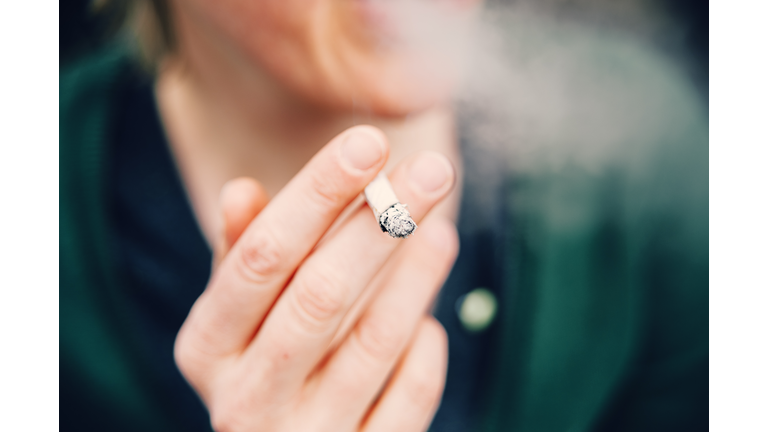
393,217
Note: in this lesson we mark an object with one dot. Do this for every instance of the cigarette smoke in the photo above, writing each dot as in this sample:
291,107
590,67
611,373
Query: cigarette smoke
550,90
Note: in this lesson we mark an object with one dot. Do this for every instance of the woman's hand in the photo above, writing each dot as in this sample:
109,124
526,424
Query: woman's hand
265,346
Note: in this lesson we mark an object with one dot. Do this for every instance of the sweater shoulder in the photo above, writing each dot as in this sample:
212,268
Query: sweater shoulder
86,91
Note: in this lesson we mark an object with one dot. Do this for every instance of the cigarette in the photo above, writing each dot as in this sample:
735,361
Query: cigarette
393,217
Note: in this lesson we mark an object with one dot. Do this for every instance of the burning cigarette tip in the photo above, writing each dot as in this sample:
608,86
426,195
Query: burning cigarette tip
397,222
393,217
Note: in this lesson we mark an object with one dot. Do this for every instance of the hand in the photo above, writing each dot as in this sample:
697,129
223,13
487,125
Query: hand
265,345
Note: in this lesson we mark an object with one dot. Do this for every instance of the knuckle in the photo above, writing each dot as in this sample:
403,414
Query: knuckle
261,256
224,419
318,298
431,271
324,192
435,330
424,385
438,262
439,254
219,422
424,390
185,356
238,404
435,265
237,411
378,338
193,362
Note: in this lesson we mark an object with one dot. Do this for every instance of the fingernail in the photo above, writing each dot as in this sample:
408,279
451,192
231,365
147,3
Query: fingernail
430,172
361,150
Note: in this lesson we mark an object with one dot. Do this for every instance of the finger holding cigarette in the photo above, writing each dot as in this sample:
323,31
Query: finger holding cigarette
305,319
266,321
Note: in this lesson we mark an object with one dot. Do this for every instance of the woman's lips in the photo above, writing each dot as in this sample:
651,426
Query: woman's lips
380,17
394,20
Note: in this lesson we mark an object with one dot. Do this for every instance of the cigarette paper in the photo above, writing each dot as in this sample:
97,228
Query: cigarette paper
393,217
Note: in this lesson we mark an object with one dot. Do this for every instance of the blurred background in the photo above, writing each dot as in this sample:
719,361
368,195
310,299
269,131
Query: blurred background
679,28
568,102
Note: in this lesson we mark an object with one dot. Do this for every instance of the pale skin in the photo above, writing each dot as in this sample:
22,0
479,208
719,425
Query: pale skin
313,319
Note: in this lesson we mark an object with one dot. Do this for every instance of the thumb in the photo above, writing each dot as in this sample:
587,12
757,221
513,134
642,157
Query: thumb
240,201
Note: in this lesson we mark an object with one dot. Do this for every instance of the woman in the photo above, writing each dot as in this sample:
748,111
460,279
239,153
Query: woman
312,319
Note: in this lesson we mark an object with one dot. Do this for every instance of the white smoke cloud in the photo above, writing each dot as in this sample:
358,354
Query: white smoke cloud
544,88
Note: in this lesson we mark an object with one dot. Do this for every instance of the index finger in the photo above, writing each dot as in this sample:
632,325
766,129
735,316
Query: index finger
252,275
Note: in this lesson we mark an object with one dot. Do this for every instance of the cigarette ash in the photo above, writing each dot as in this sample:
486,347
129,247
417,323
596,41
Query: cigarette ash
396,221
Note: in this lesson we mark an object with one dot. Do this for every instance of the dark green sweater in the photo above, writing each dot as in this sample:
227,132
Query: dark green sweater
605,327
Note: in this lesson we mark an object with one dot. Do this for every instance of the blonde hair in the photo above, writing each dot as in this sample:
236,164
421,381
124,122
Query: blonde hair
147,22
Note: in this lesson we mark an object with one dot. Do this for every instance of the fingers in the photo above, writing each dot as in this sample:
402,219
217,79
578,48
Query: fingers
412,396
356,372
243,288
241,201
298,331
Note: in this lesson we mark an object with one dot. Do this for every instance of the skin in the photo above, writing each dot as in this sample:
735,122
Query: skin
313,318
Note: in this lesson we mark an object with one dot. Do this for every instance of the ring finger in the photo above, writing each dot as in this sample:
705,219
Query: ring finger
297,333
413,394
356,372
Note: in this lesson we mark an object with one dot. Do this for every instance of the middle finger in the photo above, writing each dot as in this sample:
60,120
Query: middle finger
298,331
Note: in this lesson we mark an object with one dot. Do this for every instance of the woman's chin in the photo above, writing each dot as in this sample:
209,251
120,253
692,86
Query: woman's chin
400,92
